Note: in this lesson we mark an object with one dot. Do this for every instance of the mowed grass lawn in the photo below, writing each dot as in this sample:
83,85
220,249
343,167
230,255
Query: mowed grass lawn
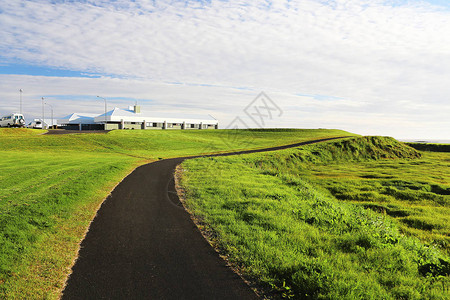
360,218
46,203
52,185
155,144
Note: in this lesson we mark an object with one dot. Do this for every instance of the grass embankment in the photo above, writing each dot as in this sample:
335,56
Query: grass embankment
337,220
52,185
155,144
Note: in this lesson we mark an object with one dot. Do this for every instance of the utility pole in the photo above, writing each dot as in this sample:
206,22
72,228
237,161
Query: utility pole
105,111
21,91
51,107
43,113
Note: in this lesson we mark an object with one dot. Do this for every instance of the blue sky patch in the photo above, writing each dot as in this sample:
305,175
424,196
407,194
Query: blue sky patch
22,69
442,3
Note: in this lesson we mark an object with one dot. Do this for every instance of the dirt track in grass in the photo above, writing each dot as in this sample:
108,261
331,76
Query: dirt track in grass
143,245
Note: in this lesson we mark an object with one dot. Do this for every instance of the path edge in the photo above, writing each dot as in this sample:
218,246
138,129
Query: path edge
205,230
75,258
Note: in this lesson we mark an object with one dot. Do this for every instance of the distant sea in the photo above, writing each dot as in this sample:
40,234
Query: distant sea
425,141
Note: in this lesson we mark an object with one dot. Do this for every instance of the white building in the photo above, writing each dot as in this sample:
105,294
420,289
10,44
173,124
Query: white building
133,118
79,121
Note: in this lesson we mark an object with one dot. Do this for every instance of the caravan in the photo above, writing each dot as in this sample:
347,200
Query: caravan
12,120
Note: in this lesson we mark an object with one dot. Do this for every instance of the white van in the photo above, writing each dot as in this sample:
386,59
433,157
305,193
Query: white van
12,120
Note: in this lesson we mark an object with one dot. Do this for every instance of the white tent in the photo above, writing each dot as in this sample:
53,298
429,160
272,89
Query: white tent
78,118
133,118
129,115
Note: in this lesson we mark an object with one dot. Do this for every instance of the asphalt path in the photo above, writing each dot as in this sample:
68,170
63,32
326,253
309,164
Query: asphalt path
67,131
142,244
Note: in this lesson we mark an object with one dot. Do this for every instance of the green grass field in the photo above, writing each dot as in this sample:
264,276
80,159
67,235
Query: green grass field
52,185
154,144
360,218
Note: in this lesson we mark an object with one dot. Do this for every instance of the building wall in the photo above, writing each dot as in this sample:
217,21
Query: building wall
138,126
130,125
112,126
173,126
192,126
83,126
151,125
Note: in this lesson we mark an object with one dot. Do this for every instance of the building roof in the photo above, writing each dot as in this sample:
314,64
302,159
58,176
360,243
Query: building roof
128,115
78,118
47,122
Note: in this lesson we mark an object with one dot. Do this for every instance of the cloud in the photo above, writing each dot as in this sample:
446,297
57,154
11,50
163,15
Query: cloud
388,60
69,94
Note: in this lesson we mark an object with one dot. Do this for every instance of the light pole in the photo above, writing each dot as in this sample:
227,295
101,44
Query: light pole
105,110
43,113
51,107
21,91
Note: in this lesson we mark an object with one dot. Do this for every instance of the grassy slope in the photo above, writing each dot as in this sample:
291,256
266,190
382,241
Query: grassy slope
51,187
280,224
156,144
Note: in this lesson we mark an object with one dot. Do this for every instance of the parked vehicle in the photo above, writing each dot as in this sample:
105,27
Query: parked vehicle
12,120
36,124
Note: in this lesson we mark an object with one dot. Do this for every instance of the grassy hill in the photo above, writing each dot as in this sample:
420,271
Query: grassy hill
360,218
52,185
154,144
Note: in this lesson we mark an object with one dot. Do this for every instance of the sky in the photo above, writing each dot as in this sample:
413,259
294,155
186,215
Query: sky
372,67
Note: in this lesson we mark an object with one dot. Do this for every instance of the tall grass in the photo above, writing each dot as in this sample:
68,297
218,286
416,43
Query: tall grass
284,228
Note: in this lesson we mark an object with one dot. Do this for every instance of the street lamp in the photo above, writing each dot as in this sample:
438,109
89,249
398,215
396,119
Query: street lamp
21,91
43,113
51,107
105,110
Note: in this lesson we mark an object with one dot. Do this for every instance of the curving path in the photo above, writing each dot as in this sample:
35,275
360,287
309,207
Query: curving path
143,245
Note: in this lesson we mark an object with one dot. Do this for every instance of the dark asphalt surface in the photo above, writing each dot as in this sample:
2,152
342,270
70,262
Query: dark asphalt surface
143,245
64,131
